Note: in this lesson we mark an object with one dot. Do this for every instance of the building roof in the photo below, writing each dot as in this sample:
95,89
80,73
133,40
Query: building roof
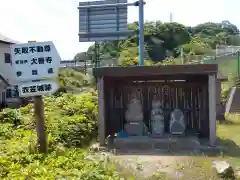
137,71
6,40
2,80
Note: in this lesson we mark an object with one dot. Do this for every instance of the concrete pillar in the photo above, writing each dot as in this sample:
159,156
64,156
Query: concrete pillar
212,108
101,111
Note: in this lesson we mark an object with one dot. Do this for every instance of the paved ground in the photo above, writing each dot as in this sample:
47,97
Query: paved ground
148,164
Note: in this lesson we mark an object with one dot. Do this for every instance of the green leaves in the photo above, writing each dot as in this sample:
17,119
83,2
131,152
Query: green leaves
71,122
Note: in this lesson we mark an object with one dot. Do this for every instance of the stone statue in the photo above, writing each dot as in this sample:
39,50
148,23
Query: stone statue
157,118
134,117
177,122
134,110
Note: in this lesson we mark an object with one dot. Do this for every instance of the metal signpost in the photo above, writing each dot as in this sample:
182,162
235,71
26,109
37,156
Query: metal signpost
107,21
35,66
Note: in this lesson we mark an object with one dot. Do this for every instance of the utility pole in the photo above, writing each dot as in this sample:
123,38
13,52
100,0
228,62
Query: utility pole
182,55
97,55
171,17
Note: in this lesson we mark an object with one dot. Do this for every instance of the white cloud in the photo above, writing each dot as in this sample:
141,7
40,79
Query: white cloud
57,20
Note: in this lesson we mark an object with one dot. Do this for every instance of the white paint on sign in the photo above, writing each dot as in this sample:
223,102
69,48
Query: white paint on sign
34,61
37,88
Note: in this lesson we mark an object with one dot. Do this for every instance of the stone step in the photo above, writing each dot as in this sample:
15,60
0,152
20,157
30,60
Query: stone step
144,143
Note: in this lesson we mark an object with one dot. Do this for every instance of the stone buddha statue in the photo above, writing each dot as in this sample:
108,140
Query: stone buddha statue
177,123
134,117
157,117
134,110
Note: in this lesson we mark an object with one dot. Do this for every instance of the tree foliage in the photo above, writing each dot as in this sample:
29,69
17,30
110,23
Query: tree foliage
71,122
71,80
165,40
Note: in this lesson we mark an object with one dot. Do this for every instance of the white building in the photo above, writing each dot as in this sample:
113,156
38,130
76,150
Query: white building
8,95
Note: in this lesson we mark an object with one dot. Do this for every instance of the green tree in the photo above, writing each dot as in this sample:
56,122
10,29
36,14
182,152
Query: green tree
196,46
163,40
81,57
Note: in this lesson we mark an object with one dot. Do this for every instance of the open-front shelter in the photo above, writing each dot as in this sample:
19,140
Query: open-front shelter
190,88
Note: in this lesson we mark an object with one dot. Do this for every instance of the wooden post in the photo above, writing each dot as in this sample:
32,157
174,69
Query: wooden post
40,122
212,108
101,111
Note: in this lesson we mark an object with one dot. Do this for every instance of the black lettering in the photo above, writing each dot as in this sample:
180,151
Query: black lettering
33,89
19,73
32,49
17,62
49,60
17,51
34,61
40,88
25,61
25,90
34,72
47,48
41,60
21,61
50,70
47,87
24,50
39,49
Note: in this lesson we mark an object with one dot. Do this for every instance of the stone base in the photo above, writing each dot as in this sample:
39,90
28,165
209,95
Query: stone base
165,142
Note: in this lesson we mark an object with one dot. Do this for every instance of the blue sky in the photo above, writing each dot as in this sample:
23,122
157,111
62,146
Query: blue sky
57,20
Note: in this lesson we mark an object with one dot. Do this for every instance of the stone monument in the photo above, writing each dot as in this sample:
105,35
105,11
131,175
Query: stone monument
177,122
157,118
134,117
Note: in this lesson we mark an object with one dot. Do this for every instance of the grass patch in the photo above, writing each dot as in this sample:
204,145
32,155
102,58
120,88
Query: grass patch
228,67
228,136
194,166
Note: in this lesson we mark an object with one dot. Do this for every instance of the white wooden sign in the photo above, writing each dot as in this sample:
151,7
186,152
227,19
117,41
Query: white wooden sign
34,61
45,87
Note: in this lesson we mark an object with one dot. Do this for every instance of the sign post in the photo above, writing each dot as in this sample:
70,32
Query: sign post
40,124
106,20
141,32
36,66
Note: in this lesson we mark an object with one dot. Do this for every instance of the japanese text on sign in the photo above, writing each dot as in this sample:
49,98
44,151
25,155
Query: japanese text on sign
34,61
39,60
36,88
44,87
32,49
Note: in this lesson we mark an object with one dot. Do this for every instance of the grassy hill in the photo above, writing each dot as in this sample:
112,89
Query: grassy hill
73,81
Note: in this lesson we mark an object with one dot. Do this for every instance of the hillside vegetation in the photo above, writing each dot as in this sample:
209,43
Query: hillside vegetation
71,124
71,120
165,40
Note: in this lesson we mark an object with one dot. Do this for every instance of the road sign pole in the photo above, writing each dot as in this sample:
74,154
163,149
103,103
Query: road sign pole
40,122
141,32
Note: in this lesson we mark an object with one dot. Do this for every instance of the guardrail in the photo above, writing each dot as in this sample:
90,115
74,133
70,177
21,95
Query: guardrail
220,53
73,64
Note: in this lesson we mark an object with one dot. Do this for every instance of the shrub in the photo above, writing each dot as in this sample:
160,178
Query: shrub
71,121
10,116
